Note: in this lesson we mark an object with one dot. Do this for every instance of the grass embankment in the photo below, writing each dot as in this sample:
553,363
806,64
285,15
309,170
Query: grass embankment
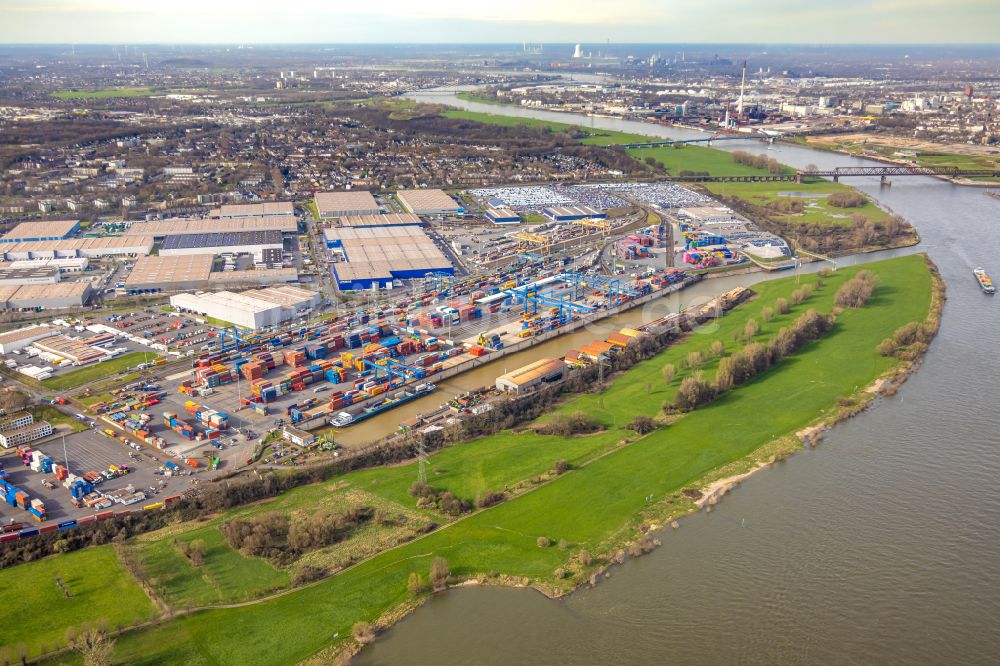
92,373
103,93
702,159
599,505
37,611
55,417
473,97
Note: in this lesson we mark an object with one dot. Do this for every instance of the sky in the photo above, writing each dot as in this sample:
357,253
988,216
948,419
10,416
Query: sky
500,21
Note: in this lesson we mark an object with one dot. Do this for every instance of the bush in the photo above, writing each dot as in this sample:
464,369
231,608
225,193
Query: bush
439,573
584,558
543,542
415,584
907,334
642,425
363,633
767,314
308,573
781,305
887,347
576,423
694,359
717,348
669,372
855,292
694,392
846,199
489,498
561,467
750,329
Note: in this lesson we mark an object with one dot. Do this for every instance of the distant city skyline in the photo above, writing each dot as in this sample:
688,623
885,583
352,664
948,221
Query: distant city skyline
511,21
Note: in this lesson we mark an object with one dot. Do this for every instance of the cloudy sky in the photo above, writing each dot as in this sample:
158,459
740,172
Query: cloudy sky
500,21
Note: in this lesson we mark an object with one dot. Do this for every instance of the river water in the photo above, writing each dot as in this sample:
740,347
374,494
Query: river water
881,545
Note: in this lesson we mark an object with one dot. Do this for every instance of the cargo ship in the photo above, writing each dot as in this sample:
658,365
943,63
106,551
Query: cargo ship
344,419
985,283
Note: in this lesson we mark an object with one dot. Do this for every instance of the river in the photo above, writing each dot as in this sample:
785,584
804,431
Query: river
881,545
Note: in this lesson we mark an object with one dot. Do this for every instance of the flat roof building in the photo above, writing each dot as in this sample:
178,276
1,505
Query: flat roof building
530,377
257,209
252,309
351,202
33,275
376,256
169,272
286,224
20,338
387,220
91,248
570,213
238,242
41,231
73,349
428,202
30,433
502,216
48,296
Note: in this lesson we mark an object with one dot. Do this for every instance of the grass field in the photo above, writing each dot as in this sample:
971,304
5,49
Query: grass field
55,417
473,97
816,208
37,611
596,505
91,373
103,93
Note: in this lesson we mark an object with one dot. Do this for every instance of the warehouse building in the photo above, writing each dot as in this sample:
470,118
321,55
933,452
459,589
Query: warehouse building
91,248
570,213
707,214
375,257
47,296
257,209
286,224
342,204
37,275
428,202
236,242
63,264
531,377
41,231
502,216
387,220
253,309
193,271
71,349
20,338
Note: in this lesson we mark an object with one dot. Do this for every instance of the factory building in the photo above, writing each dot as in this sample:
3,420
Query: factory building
41,231
38,275
286,224
570,213
236,242
387,220
193,271
342,204
252,309
502,216
707,214
374,257
48,296
71,349
257,209
91,248
531,377
429,202
20,338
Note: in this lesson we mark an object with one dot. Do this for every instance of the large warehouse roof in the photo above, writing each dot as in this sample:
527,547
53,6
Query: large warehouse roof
386,253
47,229
257,209
427,201
282,223
352,202
60,294
87,246
387,220
224,239
166,270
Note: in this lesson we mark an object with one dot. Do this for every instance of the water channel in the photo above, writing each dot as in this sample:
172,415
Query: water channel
881,545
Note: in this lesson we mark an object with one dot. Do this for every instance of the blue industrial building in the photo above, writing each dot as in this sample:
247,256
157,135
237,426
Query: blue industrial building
570,213
502,216
49,230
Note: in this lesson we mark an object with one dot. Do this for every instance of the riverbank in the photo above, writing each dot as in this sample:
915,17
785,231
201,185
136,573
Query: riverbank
598,505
